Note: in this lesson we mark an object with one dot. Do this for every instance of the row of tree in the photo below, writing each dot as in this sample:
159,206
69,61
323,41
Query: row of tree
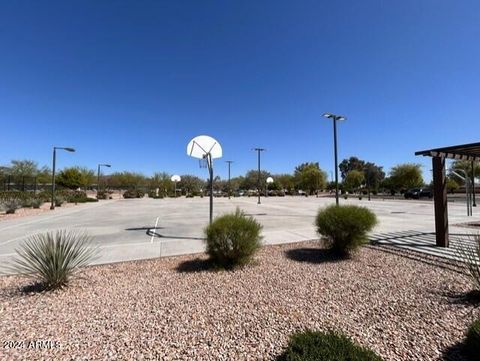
355,174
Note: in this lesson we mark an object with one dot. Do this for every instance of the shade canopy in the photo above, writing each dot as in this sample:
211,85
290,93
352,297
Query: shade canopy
459,152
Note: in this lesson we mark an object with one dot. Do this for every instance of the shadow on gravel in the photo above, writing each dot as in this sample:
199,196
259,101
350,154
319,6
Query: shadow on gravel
313,255
471,298
195,265
455,352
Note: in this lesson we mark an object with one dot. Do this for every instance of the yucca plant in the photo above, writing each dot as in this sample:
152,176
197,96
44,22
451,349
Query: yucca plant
37,202
470,255
53,258
11,205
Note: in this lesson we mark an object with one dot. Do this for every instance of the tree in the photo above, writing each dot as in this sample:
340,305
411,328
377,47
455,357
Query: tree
374,175
352,163
88,177
163,182
70,178
309,177
251,179
354,180
191,184
285,182
126,180
23,168
405,176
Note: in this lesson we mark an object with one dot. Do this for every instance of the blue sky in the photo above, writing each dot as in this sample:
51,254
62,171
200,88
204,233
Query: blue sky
130,82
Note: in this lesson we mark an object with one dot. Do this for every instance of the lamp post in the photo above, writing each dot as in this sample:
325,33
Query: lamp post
335,118
259,150
52,205
98,175
229,186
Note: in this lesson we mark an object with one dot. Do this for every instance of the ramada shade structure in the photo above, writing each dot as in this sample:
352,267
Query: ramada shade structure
439,155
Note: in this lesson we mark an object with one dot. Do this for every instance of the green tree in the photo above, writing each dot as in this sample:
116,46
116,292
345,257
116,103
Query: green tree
354,180
126,180
23,168
309,177
88,177
251,179
405,176
191,184
163,182
285,181
352,163
70,178
374,175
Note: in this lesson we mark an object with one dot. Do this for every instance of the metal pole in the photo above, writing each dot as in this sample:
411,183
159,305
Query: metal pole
52,206
336,158
98,179
258,178
210,169
9,181
473,183
229,185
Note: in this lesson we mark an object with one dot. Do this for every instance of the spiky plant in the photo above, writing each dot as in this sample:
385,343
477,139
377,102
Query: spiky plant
52,258
11,205
470,255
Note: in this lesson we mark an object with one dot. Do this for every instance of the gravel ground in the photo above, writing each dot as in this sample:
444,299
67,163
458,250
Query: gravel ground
173,309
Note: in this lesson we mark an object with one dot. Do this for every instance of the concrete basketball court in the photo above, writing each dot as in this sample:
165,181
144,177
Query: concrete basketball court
123,229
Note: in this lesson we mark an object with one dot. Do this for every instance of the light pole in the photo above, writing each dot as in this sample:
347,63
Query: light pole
335,118
52,205
259,150
98,175
229,186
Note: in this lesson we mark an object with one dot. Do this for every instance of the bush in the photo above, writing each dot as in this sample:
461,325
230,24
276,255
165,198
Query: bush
11,205
37,202
103,195
345,227
233,239
59,200
472,340
329,346
53,258
470,255
133,193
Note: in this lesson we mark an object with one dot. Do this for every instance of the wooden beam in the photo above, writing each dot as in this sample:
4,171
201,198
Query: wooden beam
440,201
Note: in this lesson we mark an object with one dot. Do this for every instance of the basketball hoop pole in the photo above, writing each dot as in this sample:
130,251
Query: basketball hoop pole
210,171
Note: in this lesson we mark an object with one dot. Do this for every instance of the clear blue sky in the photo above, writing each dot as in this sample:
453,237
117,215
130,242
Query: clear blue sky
130,82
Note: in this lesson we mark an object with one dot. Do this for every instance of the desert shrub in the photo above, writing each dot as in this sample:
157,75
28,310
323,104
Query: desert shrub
59,200
11,205
37,202
233,239
133,193
472,341
470,254
345,227
103,195
325,346
26,203
53,258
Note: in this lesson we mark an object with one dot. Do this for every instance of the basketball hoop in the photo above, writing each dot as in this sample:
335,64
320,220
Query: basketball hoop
205,149
203,163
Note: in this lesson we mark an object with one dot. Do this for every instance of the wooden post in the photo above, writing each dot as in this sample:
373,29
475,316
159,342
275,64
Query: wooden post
440,200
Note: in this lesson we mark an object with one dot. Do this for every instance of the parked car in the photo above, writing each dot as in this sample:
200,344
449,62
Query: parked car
417,193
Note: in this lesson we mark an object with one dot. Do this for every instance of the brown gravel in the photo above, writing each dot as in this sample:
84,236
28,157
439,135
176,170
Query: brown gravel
400,307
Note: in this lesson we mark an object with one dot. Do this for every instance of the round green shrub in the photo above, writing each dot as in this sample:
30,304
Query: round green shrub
233,239
472,341
345,227
329,346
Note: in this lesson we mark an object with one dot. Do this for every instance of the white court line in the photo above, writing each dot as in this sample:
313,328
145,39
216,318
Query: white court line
154,230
